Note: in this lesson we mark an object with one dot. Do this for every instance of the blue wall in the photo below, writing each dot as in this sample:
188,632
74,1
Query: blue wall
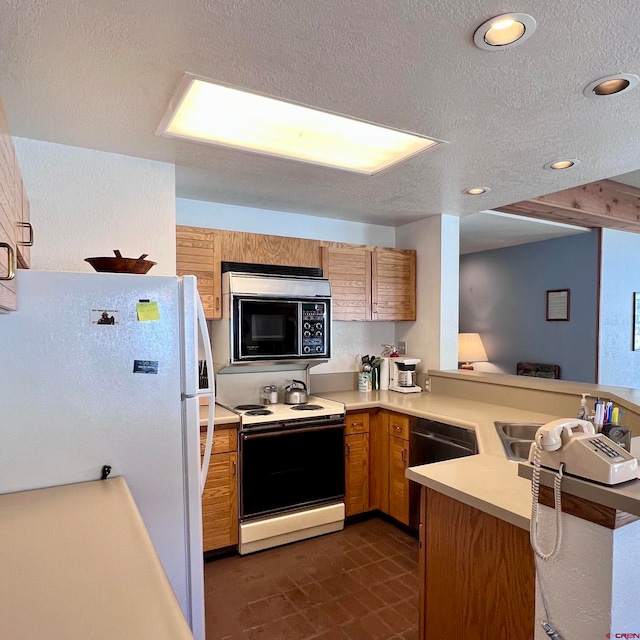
503,297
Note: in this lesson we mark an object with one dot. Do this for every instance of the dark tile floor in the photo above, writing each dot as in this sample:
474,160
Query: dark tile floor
357,584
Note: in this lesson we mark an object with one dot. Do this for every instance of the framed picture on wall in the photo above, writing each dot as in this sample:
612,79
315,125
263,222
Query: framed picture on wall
558,305
636,321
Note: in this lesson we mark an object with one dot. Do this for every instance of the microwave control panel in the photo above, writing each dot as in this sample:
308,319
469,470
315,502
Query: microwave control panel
314,328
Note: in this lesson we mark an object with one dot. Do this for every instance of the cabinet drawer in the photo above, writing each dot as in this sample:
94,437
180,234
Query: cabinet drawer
399,426
224,440
357,422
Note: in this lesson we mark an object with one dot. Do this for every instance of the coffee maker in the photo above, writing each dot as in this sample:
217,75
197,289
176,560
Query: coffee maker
402,375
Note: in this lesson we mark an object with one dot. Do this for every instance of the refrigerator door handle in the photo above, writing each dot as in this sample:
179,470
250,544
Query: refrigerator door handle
210,393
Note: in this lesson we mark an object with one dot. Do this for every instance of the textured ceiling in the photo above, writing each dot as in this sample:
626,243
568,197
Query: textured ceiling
100,75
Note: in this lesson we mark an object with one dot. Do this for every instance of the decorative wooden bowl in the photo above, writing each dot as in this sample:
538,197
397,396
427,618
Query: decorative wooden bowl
118,264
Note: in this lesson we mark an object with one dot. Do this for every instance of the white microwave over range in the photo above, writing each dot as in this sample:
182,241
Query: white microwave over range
272,318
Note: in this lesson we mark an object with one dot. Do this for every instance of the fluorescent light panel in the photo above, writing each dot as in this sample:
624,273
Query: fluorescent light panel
229,117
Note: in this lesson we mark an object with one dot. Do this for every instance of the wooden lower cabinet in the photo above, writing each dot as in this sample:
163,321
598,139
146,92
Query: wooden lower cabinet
398,463
398,483
356,468
220,496
477,574
376,458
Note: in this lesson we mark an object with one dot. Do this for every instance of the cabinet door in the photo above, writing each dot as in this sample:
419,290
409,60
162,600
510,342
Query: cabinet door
220,503
356,473
398,483
349,270
393,291
198,254
9,216
259,248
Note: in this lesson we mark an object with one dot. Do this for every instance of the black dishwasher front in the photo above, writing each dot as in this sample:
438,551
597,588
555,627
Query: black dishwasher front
432,441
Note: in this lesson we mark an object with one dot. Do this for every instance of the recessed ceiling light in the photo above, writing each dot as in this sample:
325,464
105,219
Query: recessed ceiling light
221,115
569,163
610,85
504,31
477,191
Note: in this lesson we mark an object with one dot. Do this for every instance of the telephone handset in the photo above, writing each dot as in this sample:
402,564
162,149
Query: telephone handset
571,446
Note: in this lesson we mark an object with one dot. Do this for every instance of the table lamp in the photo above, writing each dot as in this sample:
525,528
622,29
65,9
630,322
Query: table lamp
470,349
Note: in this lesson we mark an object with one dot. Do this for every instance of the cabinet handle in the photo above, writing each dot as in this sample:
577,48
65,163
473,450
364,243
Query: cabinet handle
29,242
217,303
354,424
11,267
375,307
404,455
347,450
397,428
233,465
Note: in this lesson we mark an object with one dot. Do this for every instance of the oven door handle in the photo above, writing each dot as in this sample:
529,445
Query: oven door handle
284,432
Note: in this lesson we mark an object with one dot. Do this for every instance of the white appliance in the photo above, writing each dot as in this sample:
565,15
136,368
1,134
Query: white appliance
102,369
271,319
291,462
402,375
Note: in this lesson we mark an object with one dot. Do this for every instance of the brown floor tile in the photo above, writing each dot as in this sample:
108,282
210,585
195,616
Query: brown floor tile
357,584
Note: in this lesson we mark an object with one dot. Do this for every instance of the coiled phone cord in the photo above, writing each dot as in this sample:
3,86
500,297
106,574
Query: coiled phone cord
557,497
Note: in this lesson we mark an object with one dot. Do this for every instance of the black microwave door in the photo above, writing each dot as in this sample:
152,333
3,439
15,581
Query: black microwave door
266,329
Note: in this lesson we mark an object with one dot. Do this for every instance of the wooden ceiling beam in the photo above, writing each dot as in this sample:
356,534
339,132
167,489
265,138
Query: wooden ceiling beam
605,203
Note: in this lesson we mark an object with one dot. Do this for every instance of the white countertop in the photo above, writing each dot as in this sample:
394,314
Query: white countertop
222,416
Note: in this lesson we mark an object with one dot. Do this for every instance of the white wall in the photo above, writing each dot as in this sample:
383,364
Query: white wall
278,223
86,203
434,336
618,364
349,338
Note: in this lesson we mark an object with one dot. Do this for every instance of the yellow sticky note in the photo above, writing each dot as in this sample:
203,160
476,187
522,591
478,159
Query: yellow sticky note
148,311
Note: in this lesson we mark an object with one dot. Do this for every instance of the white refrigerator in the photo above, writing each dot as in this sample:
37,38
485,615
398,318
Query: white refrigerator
102,370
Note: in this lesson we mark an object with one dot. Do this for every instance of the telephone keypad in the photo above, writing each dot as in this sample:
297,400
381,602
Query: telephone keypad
606,449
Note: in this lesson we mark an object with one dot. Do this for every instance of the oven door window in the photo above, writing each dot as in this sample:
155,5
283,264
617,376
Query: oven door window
287,470
266,329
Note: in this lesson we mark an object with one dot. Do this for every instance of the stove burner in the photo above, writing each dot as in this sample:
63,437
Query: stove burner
259,412
306,407
249,407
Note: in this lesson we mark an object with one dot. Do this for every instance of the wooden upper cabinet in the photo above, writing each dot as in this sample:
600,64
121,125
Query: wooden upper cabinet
349,270
371,283
393,291
198,254
259,248
10,216
24,230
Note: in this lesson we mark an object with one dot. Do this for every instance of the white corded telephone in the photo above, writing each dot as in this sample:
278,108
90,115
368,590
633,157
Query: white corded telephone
584,453
571,446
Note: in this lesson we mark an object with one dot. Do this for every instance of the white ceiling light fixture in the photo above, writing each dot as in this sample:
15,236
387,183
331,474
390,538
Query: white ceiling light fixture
610,85
476,191
504,31
569,163
217,114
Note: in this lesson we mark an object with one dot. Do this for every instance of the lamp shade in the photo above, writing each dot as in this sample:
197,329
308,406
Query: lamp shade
470,348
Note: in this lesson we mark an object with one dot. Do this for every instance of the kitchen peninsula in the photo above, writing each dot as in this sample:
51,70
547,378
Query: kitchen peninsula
478,575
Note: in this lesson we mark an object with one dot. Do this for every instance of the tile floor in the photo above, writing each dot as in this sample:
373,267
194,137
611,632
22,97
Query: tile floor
357,584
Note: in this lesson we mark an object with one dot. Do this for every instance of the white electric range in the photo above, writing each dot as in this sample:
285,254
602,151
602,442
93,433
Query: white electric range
291,472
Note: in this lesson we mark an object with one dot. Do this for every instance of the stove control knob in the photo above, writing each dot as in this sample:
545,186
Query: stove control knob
306,349
318,325
318,333
307,334
307,325
319,349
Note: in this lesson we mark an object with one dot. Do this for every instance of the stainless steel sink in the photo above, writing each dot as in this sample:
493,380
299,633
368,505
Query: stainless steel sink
520,449
518,430
516,438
